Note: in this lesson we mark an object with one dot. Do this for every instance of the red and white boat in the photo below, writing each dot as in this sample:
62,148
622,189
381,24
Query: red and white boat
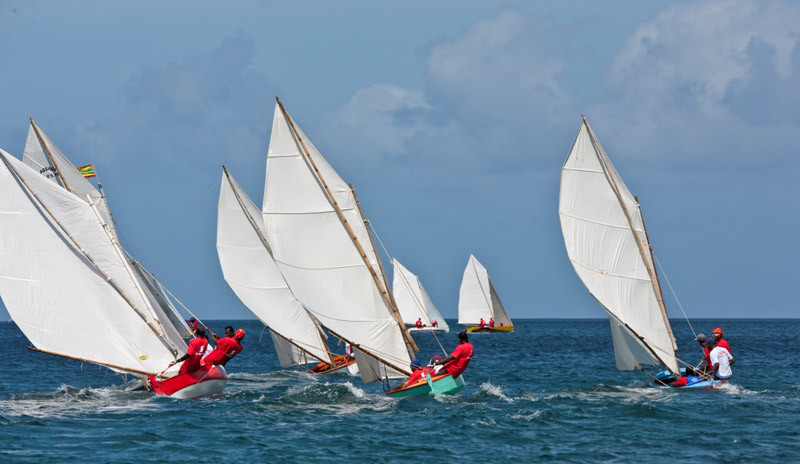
69,285
207,381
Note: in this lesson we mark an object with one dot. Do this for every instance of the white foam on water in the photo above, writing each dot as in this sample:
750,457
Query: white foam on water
69,401
527,416
734,389
494,390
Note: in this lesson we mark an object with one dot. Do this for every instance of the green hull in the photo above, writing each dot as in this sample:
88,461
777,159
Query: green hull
445,386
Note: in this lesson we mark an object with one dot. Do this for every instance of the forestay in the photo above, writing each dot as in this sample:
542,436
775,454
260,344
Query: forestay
412,299
607,244
250,270
477,297
319,259
59,299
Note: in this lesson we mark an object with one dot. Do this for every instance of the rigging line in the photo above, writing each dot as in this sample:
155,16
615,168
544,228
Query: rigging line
164,287
674,294
372,226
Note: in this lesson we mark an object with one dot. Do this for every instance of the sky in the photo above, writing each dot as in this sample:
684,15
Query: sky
451,118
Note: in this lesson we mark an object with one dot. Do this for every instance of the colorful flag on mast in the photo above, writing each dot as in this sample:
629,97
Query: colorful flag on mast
87,171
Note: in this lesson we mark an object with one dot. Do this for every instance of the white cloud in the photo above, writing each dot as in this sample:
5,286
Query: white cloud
714,81
491,96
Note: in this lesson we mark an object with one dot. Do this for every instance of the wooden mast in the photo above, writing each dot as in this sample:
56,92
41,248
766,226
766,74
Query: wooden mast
650,271
395,309
49,154
410,345
269,250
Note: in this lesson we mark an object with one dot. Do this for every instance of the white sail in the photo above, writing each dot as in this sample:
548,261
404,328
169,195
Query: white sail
478,299
44,156
607,244
57,297
317,256
250,270
412,299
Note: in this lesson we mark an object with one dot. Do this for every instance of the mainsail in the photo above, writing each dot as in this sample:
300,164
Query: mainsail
606,242
251,272
478,299
64,282
321,244
412,299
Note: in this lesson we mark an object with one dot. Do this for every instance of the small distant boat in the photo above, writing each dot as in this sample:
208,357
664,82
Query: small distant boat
414,303
477,299
249,268
608,247
69,285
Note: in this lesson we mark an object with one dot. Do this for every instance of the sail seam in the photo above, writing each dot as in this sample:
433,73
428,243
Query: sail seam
581,218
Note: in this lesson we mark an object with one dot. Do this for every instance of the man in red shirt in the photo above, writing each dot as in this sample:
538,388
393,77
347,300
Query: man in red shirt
457,362
197,348
482,323
717,333
708,368
491,322
418,324
227,347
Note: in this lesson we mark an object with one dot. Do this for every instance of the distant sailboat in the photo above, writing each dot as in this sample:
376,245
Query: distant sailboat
248,267
68,285
477,299
414,303
607,243
323,247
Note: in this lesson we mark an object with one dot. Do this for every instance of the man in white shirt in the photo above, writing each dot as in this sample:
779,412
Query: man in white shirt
721,359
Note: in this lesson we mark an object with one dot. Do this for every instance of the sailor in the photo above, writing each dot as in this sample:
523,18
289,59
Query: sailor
417,372
721,359
685,381
701,340
482,323
418,324
197,348
491,322
193,324
227,347
435,323
457,362
717,334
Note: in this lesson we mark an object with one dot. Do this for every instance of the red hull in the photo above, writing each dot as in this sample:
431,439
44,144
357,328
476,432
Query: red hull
169,387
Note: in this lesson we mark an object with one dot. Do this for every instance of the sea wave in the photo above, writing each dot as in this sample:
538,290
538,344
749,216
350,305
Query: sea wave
69,401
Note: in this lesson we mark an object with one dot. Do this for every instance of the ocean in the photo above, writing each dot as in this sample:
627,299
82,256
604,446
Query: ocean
548,392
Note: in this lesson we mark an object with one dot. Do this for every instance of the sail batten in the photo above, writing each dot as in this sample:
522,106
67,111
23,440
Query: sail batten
607,245
322,247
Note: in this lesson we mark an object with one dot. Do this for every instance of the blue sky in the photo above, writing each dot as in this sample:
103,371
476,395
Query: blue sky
451,118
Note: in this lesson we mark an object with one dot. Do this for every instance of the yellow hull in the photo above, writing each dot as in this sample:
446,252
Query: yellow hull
489,329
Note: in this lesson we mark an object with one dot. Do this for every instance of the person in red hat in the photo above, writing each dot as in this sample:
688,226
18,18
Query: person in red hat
194,353
227,347
717,334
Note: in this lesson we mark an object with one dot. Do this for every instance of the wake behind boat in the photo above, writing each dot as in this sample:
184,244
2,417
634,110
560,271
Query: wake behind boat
67,282
608,247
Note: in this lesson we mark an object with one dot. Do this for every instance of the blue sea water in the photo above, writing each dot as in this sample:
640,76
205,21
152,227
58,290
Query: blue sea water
548,392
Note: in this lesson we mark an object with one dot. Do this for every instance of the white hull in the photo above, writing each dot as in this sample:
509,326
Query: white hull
207,388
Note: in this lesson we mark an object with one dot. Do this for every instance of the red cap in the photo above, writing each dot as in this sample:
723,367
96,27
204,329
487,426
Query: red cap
239,334
717,331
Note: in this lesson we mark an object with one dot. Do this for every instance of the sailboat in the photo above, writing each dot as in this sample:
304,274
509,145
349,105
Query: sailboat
250,270
608,247
414,303
478,300
68,284
323,248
